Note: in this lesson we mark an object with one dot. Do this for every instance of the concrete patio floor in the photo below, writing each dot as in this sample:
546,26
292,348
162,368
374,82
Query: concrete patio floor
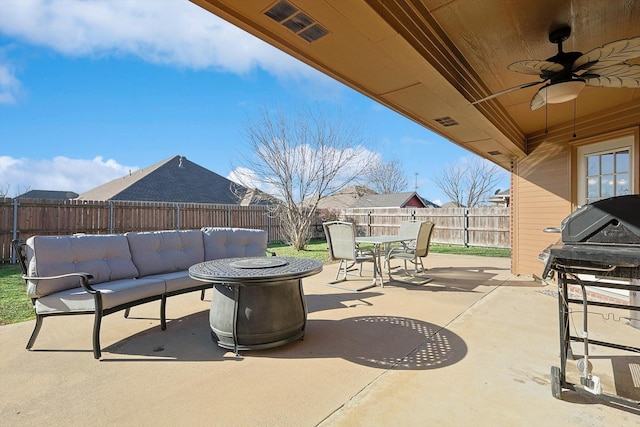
473,347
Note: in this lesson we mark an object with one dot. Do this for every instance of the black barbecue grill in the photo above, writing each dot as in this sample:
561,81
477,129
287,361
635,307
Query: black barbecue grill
599,241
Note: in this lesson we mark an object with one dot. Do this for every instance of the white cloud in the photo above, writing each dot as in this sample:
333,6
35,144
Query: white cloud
303,160
18,176
10,86
171,32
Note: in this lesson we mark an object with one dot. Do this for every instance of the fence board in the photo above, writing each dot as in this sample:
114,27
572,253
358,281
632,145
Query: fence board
476,227
483,226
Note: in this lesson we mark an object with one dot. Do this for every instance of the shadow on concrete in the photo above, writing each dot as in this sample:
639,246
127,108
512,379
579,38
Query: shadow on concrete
447,279
385,342
333,301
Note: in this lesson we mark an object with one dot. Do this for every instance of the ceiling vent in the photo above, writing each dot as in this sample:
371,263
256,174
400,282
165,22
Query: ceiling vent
446,121
494,153
297,21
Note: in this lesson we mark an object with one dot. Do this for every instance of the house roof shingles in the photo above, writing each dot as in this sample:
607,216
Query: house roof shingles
48,194
393,200
172,180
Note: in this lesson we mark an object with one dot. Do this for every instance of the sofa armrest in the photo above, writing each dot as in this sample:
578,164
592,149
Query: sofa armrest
84,279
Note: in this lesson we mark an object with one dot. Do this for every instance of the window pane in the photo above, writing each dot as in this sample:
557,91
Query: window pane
622,184
593,166
606,186
593,187
606,163
622,161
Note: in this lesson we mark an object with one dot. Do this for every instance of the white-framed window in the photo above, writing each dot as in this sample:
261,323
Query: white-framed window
605,169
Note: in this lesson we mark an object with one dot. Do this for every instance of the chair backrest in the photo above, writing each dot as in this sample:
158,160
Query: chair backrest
423,240
409,229
20,251
341,238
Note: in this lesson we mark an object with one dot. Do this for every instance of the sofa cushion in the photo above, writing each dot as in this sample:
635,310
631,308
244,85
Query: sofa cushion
222,242
105,256
157,252
178,281
113,293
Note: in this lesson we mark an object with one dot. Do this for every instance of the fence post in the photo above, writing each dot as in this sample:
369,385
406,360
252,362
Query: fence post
369,223
466,228
269,237
177,213
15,229
110,217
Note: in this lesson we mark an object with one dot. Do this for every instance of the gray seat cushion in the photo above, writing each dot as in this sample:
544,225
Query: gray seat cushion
113,293
177,281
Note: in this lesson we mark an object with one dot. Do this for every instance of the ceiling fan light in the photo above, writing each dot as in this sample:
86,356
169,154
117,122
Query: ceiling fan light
562,92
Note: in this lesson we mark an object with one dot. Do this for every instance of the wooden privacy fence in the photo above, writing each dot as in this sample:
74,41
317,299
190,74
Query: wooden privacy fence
482,226
21,219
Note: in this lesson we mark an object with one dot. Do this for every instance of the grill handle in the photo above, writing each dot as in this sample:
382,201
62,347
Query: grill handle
585,268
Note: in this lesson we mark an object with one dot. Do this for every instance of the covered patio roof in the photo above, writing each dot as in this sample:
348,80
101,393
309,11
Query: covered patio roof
430,59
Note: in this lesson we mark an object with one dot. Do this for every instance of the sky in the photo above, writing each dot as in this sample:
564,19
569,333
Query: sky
91,90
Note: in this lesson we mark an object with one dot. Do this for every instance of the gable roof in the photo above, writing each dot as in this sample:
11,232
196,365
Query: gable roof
175,179
393,200
344,198
48,194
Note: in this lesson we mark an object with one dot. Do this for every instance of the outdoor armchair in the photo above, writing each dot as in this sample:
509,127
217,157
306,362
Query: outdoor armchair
416,247
341,241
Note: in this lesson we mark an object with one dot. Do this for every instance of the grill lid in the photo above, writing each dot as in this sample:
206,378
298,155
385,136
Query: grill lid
613,221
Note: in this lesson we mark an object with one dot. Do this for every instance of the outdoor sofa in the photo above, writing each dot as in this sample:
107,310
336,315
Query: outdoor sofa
103,274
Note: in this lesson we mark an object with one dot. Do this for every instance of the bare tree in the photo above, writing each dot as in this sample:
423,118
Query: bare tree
299,159
387,178
6,188
470,182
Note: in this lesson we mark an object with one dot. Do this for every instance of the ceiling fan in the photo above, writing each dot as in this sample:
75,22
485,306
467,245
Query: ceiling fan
566,73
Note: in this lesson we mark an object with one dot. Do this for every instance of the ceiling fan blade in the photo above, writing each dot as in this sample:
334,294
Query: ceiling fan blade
538,100
609,54
621,75
511,89
536,67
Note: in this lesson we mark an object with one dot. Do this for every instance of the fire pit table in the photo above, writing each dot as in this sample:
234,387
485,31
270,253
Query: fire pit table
257,303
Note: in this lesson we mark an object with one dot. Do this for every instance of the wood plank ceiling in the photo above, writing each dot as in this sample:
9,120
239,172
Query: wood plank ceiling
428,60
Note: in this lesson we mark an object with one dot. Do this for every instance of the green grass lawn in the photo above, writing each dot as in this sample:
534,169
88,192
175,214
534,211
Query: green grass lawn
461,250
317,249
15,306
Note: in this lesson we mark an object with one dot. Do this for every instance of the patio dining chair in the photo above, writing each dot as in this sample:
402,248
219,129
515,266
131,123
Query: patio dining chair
341,240
412,250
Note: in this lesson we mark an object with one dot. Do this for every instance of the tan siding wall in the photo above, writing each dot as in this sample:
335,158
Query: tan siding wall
543,188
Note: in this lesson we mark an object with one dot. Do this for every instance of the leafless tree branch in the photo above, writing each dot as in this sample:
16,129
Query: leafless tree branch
299,159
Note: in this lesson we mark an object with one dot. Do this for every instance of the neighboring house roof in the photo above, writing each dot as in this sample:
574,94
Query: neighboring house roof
175,179
428,203
393,200
501,197
451,205
48,194
344,198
